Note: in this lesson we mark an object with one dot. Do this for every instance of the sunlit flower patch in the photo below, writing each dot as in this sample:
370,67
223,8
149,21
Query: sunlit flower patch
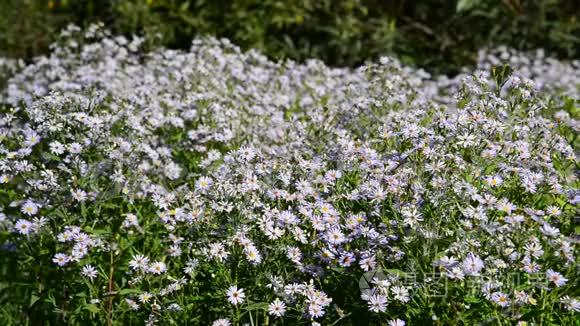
217,187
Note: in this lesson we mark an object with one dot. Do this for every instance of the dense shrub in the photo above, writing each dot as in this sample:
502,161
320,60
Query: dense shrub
440,35
217,186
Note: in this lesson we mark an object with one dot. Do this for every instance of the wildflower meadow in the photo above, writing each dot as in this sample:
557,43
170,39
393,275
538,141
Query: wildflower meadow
218,187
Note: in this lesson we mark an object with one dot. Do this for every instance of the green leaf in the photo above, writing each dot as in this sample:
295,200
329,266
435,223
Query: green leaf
397,272
471,299
92,308
33,300
84,210
51,299
464,5
257,306
129,291
88,229
501,74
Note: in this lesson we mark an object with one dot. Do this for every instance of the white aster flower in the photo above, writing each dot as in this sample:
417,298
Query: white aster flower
235,296
23,227
556,278
29,208
277,308
396,322
89,271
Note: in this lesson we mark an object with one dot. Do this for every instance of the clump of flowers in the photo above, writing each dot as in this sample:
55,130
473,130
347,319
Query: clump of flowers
215,186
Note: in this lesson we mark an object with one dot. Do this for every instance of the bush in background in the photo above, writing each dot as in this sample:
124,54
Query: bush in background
443,35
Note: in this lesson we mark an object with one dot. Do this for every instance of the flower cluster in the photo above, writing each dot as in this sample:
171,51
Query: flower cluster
219,184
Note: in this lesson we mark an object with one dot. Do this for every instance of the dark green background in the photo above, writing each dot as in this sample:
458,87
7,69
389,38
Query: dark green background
441,35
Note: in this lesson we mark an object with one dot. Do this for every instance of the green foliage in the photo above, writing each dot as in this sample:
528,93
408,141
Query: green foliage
27,27
443,35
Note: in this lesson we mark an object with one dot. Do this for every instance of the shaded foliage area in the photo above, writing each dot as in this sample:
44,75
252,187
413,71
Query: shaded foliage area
441,35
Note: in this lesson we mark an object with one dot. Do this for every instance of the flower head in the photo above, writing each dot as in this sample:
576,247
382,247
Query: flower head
277,308
235,296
